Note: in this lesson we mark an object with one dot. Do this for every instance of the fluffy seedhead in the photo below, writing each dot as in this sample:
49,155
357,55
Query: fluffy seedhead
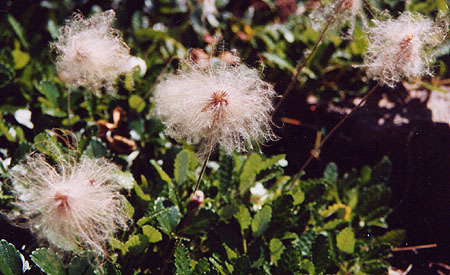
75,206
337,13
91,52
400,48
220,104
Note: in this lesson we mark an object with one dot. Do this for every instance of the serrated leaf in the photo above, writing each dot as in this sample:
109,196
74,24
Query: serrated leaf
48,261
182,260
321,253
261,221
249,171
10,260
181,165
136,103
276,249
345,240
151,233
225,173
243,217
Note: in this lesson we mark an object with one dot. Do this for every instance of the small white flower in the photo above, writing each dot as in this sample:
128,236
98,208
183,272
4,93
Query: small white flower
23,116
75,206
91,52
258,195
399,48
139,63
221,104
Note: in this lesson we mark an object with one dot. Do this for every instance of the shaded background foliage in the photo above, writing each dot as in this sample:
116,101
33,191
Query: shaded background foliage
263,33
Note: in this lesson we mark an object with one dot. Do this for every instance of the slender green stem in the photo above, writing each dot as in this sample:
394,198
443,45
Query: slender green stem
305,62
190,213
69,110
363,100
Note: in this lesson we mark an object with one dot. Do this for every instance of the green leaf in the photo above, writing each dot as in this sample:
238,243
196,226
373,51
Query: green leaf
50,91
202,222
345,240
10,260
48,261
6,74
141,194
182,260
299,197
96,149
381,171
228,211
225,173
48,145
252,166
151,233
163,175
321,253
243,217
20,58
261,221
231,254
307,266
394,237
330,174
181,166
169,218
116,244
276,249
241,265
80,266
279,61
136,103
15,25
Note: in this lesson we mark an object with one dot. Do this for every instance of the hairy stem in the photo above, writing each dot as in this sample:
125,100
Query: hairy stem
190,213
305,62
363,100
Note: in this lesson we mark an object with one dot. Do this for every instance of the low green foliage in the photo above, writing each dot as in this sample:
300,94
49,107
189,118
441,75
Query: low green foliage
254,219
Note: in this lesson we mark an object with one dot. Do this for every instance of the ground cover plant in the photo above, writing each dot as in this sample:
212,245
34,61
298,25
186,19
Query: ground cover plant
155,137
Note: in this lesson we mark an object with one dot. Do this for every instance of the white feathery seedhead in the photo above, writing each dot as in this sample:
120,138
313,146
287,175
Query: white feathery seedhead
340,12
91,52
75,206
399,48
221,104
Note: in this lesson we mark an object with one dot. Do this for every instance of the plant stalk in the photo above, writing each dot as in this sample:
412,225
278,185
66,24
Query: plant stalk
308,58
363,100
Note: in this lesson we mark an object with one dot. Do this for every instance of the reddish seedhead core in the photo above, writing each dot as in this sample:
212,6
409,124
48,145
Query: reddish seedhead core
405,48
218,100
62,201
